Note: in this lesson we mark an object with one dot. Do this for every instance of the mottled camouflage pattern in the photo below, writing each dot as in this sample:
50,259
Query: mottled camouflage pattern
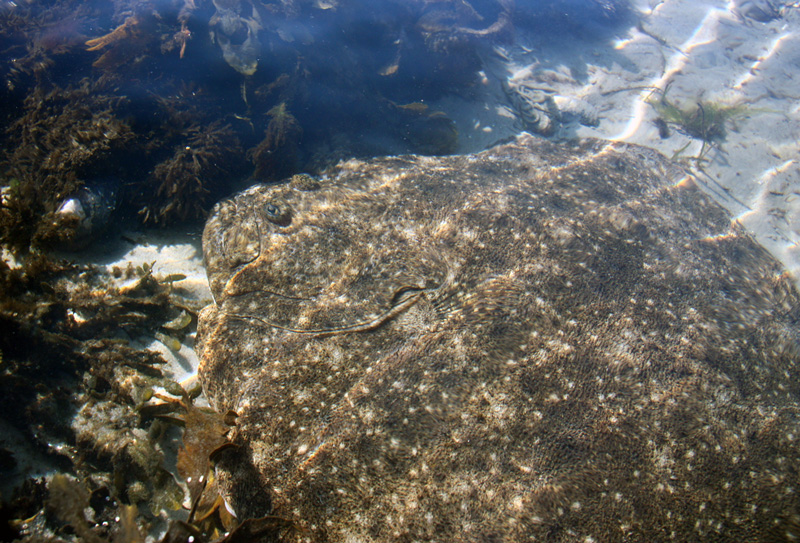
550,342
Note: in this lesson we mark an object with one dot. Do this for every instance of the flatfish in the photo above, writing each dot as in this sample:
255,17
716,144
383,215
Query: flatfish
538,342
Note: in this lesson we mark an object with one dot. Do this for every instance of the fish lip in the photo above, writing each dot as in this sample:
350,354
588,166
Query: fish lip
405,303
226,249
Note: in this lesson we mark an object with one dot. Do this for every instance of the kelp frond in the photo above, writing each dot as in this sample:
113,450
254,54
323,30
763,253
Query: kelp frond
124,31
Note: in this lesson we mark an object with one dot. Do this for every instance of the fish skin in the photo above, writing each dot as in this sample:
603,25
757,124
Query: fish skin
550,342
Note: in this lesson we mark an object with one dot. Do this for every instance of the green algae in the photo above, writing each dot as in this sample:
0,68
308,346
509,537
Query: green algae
706,121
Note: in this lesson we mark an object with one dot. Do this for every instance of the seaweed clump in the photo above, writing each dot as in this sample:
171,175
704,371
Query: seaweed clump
65,137
76,389
70,500
138,97
275,156
704,121
71,384
194,177
39,42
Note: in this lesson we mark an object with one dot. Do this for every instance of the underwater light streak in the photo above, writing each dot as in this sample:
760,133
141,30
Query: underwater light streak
702,35
687,181
755,66
764,182
721,237
772,172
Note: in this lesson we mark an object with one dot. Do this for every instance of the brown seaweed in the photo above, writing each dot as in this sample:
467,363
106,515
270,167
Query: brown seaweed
69,499
205,436
187,183
204,433
64,135
127,42
115,105
37,40
275,157
282,129
64,357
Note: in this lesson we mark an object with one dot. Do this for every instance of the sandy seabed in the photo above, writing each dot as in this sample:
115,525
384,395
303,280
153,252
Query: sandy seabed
708,52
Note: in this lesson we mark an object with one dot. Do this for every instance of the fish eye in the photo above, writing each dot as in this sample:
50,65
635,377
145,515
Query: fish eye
278,213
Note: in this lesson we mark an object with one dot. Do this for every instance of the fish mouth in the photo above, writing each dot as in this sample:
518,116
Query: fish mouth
291,289
312,272
403,299
227,249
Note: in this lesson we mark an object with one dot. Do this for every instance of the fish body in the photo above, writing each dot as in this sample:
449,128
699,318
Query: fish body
538,342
